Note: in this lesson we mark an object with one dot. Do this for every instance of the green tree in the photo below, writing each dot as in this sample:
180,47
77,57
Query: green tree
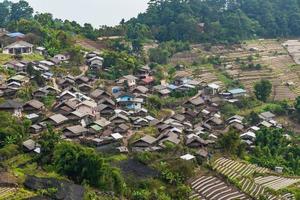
4,13
159,55
48,141
176,172
154,102
138,31
45,19
228,109
137,45
297,105
76,56
25,93
182,192
231,143
64,39
12,130
119,64
273,148
85,165
89,32
263,90
253,118
20,10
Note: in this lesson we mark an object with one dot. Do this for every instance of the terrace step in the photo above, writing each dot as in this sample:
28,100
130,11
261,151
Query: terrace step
6,192
212,188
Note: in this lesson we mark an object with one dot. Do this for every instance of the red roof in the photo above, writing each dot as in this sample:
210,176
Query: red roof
148,79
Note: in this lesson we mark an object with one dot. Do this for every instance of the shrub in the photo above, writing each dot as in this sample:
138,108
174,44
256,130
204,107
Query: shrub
84,165
228,109
176,172
8,151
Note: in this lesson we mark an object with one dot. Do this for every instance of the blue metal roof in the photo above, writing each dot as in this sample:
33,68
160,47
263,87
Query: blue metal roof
172,87
237,91
48,74
16,34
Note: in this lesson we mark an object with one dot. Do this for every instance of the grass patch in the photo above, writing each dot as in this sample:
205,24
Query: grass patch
23,165
33,57
259,109
294,67
224,78
75,71
20,194
4,58
163,113
254,41
15,163
118,157
199,67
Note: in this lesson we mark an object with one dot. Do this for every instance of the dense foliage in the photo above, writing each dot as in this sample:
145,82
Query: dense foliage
217,21
275,148
48,141
11,13
297,105
165,50
12,130
42,29
231,143
119,64
85,165
263,90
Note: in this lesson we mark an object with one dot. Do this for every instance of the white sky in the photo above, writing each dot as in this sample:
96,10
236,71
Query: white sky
96,12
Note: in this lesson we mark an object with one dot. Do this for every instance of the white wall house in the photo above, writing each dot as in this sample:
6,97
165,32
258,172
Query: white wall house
18,47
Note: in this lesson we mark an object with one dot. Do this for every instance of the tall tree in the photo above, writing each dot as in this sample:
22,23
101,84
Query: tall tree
297,105
21,10
263,90
4,13
231,143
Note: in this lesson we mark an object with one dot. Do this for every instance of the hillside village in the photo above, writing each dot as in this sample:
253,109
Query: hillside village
214,122
113,117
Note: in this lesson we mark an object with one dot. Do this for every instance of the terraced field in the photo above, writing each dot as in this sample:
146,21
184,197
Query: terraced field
276,182
7,192
212,188
242,173
277,68
257,190
206,75
235,170
270,53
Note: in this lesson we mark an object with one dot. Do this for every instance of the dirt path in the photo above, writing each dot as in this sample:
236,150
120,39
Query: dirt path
83,69
127,137
54,83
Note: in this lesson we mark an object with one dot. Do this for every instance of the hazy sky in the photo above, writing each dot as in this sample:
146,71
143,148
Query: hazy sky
96,12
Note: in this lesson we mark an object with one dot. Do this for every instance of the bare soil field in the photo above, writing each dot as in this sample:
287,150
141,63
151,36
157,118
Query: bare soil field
278,65
90,44
185,57
277,68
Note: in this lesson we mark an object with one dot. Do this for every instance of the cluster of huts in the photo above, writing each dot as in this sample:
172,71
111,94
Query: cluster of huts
108,117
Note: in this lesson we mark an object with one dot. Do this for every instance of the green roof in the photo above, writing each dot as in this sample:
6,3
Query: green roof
18,78
96,127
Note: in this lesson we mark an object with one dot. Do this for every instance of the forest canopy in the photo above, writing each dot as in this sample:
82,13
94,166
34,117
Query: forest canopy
225,21
213,21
